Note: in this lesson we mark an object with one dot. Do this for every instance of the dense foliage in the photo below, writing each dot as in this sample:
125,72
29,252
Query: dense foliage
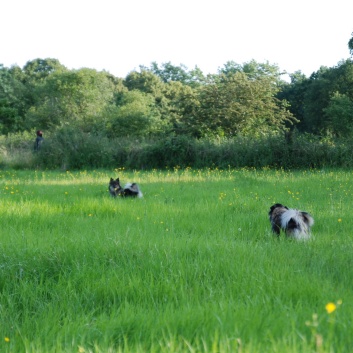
169,100
164,103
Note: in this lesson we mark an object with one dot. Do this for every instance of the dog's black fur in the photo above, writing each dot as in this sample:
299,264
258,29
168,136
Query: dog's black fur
130,189
294,223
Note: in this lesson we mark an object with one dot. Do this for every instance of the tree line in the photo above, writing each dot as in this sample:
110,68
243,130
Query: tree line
248,100
161,99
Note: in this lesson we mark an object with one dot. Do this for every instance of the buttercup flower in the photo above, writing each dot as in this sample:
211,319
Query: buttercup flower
330,307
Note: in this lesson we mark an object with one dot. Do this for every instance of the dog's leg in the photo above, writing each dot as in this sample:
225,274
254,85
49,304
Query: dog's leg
276,229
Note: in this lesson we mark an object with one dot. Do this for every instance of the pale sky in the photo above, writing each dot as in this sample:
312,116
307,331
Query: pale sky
119,36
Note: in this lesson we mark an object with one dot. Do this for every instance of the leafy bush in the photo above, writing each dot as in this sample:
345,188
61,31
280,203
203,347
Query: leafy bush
73,149
70,148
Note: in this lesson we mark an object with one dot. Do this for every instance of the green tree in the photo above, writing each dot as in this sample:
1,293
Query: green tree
238,104
147,82
322,86
76,97
135,115
350,45
168,73
39,69
252,69
181,103
12,97
144,81
294,93
339,115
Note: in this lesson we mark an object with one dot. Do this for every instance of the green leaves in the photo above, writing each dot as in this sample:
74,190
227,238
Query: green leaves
242,99
71,97
237,103
136,115
340,115
350,45
12,101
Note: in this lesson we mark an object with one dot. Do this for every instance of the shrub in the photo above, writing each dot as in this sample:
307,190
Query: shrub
74,149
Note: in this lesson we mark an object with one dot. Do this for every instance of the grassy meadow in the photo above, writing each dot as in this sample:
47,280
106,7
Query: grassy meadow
191,267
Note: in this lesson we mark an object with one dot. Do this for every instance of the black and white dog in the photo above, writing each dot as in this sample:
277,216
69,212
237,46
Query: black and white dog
130,189
296,224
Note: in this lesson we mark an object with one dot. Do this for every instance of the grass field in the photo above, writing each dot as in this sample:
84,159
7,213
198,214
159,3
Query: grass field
191,267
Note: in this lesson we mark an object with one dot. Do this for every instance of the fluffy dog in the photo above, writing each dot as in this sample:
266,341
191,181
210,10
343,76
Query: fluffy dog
130,189
296,224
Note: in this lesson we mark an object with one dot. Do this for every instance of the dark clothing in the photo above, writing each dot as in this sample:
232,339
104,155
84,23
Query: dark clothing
38,142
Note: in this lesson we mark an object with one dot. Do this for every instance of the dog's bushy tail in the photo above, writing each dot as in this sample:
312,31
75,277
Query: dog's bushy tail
134,189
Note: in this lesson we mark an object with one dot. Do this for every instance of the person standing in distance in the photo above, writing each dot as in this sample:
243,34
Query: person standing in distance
39,140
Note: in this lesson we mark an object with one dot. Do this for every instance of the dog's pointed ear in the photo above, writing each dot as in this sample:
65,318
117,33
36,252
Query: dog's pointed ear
111,179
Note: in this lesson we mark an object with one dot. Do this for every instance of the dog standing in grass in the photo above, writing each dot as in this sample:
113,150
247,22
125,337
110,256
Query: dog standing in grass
130,189
295,223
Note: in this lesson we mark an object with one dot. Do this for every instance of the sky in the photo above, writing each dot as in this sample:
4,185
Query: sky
118,36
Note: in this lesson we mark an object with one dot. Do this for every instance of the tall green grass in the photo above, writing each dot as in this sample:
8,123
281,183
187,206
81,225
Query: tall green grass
76,150
191,267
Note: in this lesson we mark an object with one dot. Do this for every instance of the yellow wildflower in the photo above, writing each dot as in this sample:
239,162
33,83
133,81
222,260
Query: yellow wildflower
330,307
